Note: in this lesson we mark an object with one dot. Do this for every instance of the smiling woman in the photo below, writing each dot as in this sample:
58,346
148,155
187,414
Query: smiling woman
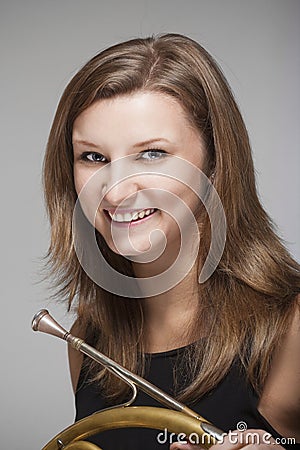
146,135
163,131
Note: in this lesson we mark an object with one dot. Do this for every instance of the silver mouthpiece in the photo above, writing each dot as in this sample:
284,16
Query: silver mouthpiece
43,322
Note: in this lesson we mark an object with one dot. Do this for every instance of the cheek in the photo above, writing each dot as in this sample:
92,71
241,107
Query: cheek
81,177
181,191
78,182
167,184
87,191
187,207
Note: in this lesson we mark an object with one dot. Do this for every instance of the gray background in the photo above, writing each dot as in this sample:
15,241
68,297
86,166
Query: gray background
43,43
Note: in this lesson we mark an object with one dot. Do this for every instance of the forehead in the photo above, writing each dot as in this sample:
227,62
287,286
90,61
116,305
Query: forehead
136,117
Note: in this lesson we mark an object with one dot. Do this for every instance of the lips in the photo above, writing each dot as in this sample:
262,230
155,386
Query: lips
130,216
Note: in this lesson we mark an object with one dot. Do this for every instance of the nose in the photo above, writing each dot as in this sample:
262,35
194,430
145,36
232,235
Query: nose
120,183
122,193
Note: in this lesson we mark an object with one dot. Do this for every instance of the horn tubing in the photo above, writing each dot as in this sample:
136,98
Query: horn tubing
45,323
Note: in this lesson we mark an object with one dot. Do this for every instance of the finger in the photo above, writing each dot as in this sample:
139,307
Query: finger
181,446
251,438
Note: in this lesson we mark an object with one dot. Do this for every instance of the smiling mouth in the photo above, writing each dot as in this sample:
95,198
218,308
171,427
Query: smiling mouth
130,217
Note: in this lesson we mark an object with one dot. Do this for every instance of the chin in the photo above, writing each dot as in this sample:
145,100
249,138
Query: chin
139,251
129,251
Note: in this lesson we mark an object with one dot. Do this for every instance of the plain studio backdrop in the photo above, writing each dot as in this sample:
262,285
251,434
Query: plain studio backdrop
43,43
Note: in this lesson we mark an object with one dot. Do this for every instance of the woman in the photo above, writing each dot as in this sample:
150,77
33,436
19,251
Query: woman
133,125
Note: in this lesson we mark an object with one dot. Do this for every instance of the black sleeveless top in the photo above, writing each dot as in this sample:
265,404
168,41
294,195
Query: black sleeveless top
231,405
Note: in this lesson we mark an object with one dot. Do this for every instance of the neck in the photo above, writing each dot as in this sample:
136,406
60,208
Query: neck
169,316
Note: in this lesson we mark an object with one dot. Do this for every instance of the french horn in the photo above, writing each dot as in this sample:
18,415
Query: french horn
174,417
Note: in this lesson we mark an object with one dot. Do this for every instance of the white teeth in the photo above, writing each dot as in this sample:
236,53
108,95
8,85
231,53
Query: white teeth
135,216
128,217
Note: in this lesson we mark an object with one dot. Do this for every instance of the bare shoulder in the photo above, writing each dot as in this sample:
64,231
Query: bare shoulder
75,357
280,401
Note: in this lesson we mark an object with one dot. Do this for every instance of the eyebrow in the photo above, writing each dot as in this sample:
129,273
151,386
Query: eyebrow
137,145
150,141
83,142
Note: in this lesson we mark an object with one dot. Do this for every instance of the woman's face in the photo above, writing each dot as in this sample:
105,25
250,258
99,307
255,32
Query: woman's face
143,130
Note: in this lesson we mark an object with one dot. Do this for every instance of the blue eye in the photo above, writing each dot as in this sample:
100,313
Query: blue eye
152,154
93,157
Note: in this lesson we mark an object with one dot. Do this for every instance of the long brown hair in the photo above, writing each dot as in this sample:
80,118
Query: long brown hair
249,299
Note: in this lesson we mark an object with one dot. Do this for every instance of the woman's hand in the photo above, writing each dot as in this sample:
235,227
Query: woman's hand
234,440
